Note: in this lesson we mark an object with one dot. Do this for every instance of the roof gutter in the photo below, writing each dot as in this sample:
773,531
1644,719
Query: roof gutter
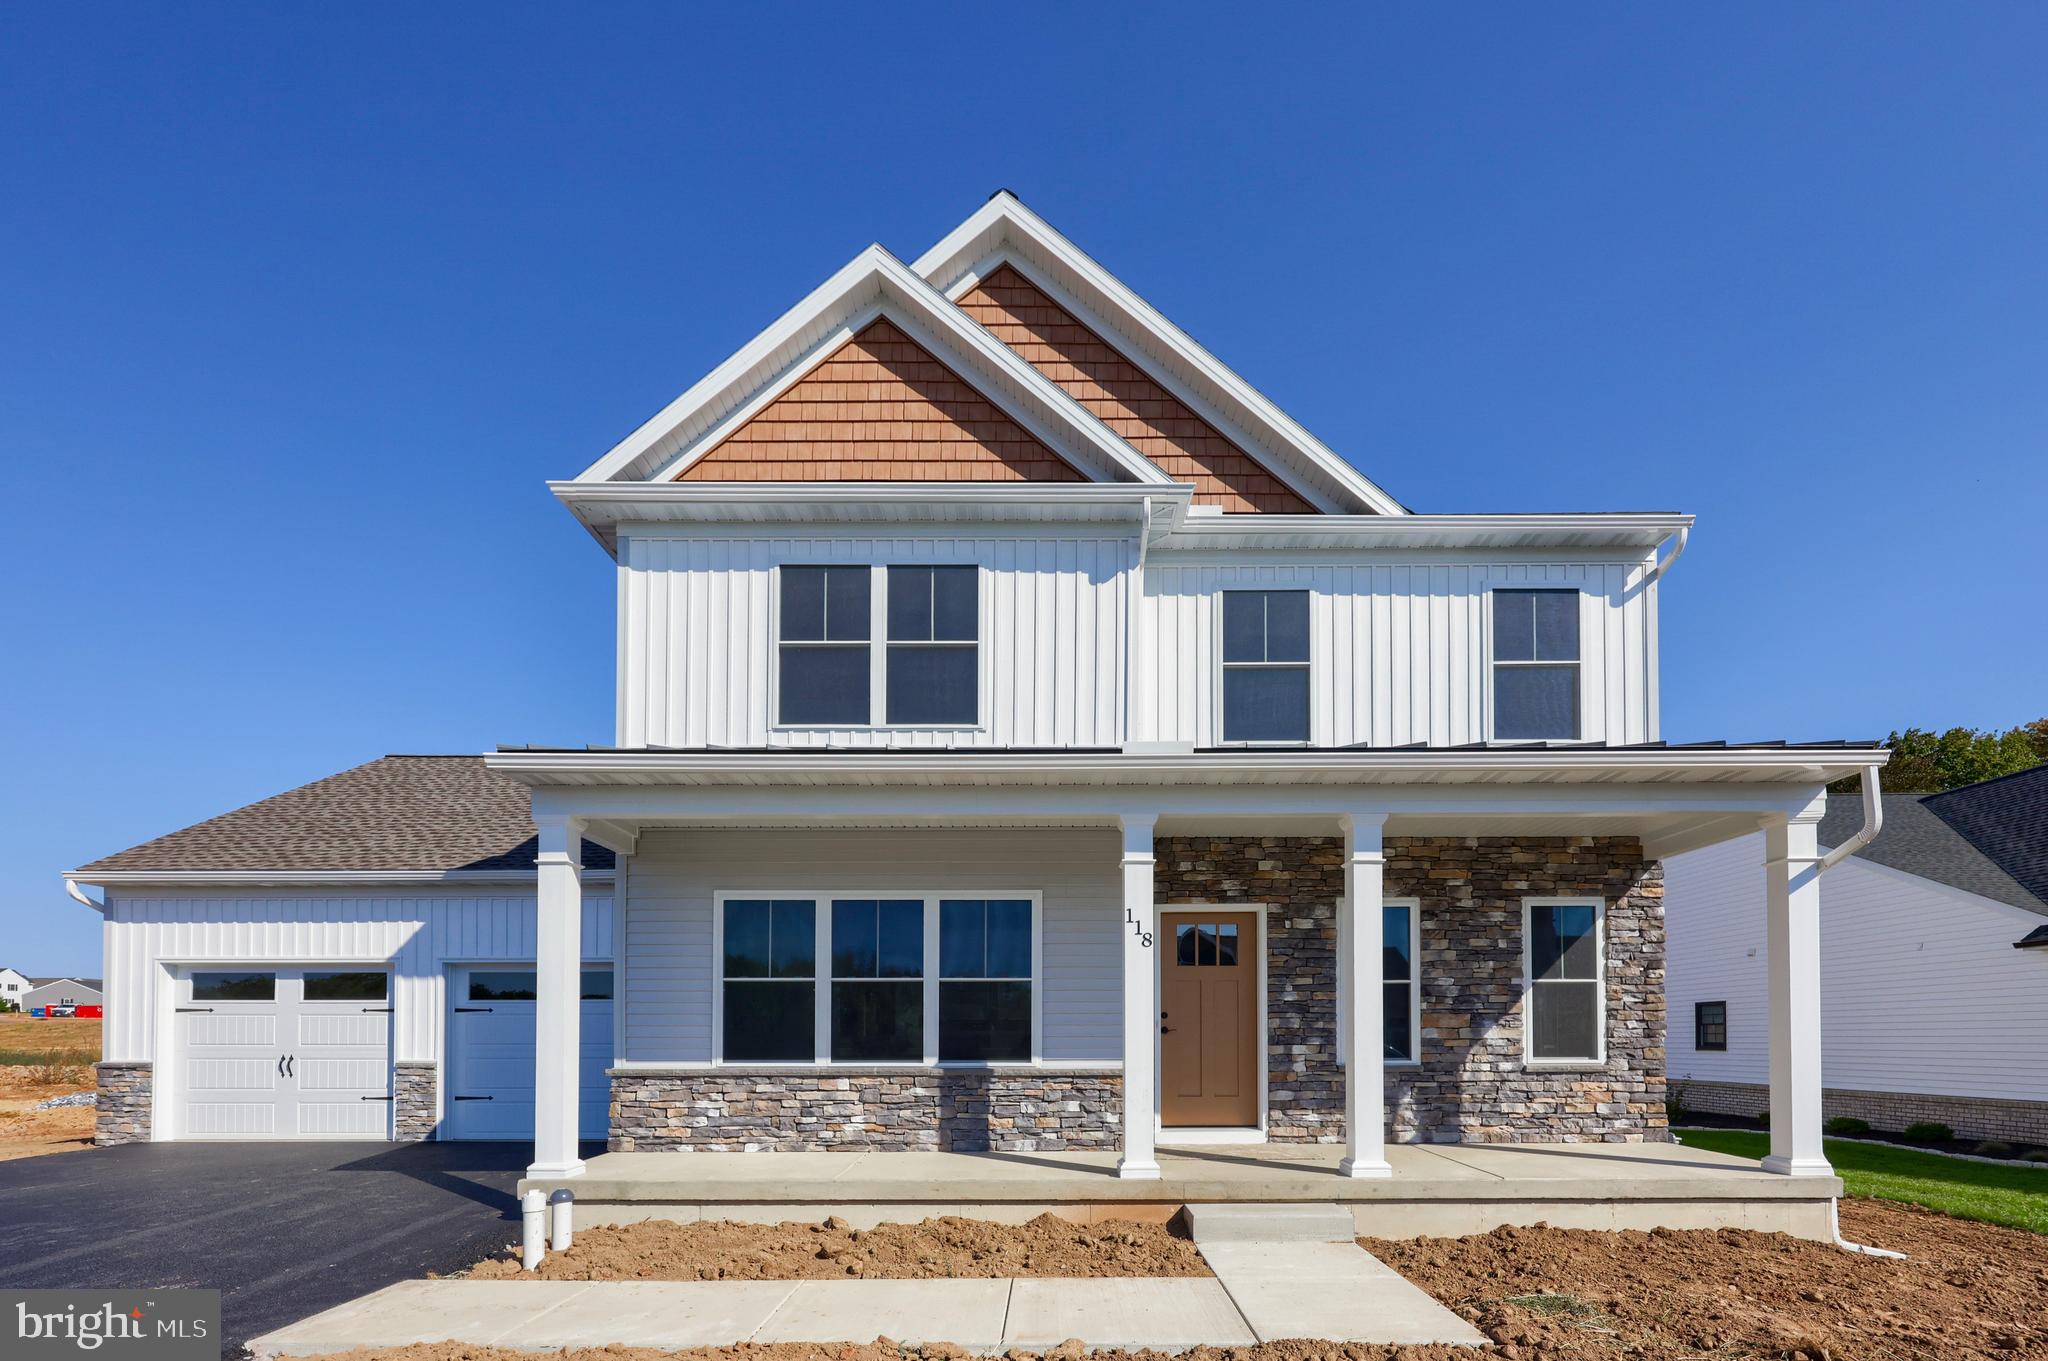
1873,823
1677,551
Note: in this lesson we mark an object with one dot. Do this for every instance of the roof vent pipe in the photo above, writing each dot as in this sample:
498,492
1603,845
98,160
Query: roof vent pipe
1873,823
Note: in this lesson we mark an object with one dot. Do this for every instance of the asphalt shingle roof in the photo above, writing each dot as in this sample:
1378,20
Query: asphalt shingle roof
1967,843
428,813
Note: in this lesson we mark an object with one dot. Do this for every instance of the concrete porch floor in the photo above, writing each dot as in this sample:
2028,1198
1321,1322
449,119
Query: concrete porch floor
1435,1189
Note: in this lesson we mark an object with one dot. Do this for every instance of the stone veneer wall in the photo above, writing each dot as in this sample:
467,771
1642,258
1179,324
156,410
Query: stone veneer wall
414,1090
122,1116
1971,1117
964,1110
1471,1083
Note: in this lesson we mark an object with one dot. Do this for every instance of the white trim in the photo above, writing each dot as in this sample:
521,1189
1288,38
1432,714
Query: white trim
821,978
1599,980
1212,1136
1196,1134
339,878
1414,906
1004,217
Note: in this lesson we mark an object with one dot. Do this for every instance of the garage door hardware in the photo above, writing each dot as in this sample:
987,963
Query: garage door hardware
195,1008
460,1010
472,1098
376,1008
284,1065
376,1098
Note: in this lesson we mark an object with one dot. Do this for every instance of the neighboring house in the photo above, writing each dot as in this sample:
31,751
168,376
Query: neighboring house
1028,737
13,984
1929,1012
61,992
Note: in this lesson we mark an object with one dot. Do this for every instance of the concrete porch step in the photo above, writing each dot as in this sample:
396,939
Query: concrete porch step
1255,1223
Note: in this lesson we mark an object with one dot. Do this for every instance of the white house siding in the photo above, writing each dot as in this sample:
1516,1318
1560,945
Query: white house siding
1921,990
674,875
1399,649
420,931
697,649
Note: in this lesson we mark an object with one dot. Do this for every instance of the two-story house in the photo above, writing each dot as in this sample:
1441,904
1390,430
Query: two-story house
1028,738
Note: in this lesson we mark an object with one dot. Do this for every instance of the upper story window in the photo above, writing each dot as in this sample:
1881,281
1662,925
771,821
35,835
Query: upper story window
1710,1025
934,632
826,621
930,621
1566,977
1265,666
1535,664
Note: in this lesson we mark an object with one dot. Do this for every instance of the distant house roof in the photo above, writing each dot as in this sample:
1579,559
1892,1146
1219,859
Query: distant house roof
431,814
92,984
1990,839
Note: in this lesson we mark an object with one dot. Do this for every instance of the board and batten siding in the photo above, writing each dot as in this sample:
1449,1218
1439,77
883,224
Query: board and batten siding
1400,651
696,662
675,874
420,932
1921,990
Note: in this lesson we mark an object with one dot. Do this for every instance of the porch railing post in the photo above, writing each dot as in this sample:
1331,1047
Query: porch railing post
1141,1000
558,994
1359,928
1792,944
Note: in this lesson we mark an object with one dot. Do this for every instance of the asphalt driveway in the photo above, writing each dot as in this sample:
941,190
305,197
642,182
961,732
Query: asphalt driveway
282,1230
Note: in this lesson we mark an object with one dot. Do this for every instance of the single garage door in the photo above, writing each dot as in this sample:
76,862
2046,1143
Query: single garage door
283,1054
490,1053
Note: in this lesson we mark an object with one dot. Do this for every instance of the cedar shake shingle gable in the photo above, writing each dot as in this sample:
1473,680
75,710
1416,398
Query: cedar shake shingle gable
880,408
1123,397
421,813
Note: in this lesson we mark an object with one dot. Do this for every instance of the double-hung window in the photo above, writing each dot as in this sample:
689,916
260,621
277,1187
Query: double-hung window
876,978
823,663
933,665
1535,665
1710,1025
928,622
1265,666
1564,980
769,979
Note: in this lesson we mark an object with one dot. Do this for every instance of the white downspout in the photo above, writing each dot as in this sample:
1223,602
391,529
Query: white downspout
71,887
1656,573
1873,822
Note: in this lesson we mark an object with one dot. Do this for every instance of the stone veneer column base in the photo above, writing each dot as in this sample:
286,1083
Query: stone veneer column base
959,1110
415,1088
125,1093
1971,1117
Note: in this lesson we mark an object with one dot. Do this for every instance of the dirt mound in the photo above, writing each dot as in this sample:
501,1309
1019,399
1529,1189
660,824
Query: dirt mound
717,1250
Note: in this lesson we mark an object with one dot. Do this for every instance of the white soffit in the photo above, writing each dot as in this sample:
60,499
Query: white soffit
873,284
1003,229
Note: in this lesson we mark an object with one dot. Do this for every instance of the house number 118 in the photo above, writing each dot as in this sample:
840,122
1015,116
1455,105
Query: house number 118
1138,929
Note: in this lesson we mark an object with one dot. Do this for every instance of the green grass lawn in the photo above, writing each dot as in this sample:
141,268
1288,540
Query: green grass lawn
2014,1195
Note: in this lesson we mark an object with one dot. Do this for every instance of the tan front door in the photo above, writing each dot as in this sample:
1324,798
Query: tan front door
1209,1030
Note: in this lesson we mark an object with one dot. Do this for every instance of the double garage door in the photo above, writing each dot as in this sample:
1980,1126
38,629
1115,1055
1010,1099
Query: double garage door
306,1054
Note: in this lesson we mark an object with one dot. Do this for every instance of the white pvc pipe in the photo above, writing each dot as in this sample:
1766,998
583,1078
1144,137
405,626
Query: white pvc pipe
562,1210
532,1209
1835,1228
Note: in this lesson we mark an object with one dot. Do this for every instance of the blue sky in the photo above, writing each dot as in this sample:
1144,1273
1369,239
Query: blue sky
302,305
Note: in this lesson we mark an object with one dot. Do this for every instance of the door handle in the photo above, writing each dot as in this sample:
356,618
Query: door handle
289,1061
280,1065
1166,1030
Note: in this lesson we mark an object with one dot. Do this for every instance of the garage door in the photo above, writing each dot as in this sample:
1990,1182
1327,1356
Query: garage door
284,1054
490,1053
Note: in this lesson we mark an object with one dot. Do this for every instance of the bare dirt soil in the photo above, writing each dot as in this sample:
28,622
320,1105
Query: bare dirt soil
1969,1292
720,1251
40,1059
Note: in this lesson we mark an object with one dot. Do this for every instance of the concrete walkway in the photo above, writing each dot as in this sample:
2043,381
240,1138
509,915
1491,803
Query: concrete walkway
1261,1292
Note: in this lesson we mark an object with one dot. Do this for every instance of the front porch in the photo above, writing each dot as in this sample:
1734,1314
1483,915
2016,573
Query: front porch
1433,1189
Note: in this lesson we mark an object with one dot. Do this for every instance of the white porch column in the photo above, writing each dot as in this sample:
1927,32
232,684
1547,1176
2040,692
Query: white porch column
1141,1001
1792,938
1363,1019
558,1004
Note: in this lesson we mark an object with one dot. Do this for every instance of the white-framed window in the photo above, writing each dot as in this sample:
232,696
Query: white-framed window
855,651
1535,664
1265,666
1564,980
1400,984
876,977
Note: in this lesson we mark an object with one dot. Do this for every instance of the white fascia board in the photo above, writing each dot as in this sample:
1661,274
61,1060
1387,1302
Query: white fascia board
1005,216
312,878
873,284
1640,531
